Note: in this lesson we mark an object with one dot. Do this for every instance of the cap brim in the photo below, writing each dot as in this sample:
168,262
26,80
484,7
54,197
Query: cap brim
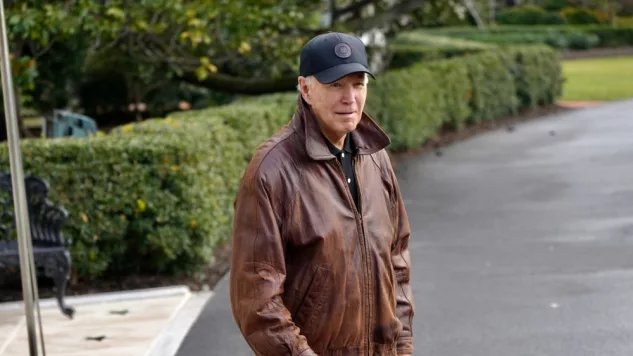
337,72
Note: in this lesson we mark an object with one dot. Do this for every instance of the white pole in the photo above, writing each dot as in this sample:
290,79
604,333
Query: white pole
19,194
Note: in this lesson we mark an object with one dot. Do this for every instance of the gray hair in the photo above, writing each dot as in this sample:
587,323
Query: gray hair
310,79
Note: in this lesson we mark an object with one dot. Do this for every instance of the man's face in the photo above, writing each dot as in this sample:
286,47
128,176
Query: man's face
339,105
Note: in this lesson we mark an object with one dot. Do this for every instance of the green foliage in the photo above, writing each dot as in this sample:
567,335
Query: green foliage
151,197
583,41
561,37
537,75
82,46
413,103
157,196
252,118
528,15
582,16
412,47
612,37
434,13
555,5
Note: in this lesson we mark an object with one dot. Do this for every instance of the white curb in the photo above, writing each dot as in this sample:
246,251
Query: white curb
170,339
103,297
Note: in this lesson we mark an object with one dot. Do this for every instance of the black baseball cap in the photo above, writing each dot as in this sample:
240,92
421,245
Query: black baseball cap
333,55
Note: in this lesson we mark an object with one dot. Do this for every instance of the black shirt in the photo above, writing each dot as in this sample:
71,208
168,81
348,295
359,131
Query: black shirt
346,158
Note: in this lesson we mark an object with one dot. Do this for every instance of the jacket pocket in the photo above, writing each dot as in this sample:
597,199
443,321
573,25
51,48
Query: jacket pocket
310,312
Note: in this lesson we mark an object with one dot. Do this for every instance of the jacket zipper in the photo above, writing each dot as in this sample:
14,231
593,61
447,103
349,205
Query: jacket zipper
363,243
367,257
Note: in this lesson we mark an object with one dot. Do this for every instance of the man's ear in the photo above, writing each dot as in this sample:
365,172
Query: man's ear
304,89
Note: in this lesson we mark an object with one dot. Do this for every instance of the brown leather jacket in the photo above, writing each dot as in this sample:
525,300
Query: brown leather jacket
309,274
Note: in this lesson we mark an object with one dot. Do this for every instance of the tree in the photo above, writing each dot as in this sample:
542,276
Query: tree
246,46
236,46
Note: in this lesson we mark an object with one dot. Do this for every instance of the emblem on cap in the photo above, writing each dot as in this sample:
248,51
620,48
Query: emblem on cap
343,50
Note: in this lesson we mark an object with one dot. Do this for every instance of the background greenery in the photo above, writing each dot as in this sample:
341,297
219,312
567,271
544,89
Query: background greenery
153,193
157,196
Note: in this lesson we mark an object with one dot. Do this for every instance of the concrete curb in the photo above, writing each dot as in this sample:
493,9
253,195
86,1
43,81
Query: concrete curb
103,297
169,341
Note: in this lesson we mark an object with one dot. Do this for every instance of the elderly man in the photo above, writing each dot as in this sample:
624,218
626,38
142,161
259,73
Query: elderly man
320,261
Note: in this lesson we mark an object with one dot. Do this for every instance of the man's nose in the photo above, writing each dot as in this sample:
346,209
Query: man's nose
348,96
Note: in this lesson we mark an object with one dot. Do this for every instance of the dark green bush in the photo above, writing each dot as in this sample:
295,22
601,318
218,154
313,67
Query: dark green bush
412,47
554,5
406,55
560,37
581,16
140,202
537,75
453,92
529,15
579,40
253,118
612,37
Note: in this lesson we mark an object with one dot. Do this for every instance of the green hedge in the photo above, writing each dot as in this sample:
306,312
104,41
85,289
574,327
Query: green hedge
140,203
411,47
454,92
529,15
583,16
157,196
562,37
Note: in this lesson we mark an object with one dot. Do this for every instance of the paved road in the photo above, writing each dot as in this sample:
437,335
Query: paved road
522,244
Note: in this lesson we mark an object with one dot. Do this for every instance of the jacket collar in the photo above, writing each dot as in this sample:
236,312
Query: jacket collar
368,137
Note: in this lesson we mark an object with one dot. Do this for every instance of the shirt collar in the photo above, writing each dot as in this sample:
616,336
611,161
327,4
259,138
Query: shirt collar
348,145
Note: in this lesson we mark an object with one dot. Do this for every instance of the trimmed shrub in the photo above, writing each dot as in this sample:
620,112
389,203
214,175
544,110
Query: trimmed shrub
607,36
412,47
583,16
140,203
612,37
529,15
252,118
537,75
413,103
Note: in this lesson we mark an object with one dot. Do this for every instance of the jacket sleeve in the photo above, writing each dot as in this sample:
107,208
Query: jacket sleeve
257,275
401,260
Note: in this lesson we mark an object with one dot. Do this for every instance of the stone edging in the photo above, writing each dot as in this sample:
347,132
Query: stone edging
103,297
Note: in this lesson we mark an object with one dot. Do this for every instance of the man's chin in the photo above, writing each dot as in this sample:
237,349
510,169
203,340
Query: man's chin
348,128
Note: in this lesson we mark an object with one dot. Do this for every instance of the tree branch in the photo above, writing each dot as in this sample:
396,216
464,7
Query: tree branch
384,17
338,13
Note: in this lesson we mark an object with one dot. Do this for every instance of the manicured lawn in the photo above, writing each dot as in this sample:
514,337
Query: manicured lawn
601,79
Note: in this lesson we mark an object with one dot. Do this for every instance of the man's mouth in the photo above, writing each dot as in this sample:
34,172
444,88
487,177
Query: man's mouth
346,112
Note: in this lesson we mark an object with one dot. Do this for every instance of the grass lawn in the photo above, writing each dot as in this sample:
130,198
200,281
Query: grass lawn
602,79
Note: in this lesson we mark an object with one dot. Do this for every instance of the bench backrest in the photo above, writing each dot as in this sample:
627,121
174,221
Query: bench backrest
46,220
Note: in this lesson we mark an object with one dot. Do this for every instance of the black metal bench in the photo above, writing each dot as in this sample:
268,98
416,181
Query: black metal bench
50,249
